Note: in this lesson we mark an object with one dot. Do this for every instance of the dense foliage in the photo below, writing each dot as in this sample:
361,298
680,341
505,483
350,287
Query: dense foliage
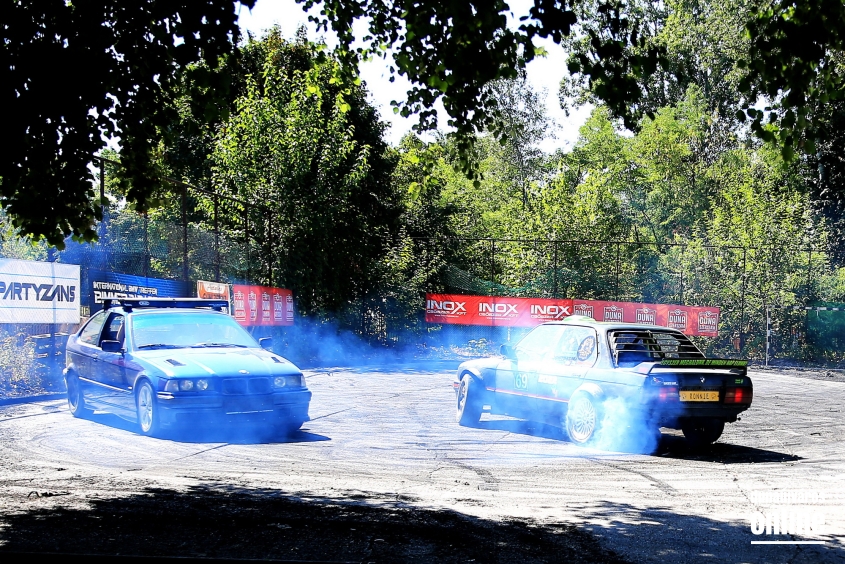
299,189
309,148
74,74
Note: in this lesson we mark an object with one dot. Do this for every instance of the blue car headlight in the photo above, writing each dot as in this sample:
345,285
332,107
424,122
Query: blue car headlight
294,381
186,385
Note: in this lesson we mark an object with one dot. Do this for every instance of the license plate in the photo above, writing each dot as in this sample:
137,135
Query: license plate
700,395
248,404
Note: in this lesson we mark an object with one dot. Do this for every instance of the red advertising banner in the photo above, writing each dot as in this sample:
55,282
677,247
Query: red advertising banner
691,320
262,305
527,312
487,310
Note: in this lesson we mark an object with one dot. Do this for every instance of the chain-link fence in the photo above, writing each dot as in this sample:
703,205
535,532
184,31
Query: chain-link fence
742,281
200,234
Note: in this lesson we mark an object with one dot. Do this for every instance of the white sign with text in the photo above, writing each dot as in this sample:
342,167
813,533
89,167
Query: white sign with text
38,292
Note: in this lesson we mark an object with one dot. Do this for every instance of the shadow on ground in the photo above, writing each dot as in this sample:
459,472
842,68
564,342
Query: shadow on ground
223,522
659,535
668,446
215,432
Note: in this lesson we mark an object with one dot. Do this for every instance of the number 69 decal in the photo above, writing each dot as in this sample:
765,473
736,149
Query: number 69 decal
520,380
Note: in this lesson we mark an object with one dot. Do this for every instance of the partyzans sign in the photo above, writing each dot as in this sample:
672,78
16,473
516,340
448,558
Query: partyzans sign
527,312
38,292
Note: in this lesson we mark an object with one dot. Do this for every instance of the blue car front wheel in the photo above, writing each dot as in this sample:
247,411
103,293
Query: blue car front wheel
469,404
147,408
583,418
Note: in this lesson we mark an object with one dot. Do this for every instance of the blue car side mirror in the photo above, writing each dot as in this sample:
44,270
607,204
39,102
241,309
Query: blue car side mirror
266,343
111,346
508,351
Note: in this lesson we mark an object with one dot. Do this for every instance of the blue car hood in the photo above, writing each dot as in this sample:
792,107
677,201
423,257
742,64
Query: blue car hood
216,362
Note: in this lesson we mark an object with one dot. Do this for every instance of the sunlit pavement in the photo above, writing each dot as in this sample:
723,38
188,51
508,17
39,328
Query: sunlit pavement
390,437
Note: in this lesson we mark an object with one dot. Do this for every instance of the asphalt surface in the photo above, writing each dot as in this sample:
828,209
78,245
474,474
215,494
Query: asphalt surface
389,439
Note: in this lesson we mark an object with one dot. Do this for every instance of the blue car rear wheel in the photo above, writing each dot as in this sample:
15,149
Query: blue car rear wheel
75,397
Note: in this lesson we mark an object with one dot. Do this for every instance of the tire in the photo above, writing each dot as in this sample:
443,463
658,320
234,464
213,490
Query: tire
583,419
146,405
469,406
702,432
76,398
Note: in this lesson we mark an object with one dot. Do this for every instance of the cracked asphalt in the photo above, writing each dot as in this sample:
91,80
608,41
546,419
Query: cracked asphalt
387,438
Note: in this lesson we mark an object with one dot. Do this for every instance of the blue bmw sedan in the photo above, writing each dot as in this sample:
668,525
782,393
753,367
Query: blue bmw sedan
170,361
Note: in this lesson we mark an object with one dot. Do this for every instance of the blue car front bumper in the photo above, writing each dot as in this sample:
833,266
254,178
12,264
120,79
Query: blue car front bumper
288,405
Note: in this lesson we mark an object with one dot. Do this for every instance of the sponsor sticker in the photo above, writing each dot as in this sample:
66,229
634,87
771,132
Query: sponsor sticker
708,322
550,312
505,311
703,362
446,308
646,315
677,319
584,309
614,313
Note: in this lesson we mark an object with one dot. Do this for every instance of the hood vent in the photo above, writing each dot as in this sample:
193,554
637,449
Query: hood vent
277,361
175,362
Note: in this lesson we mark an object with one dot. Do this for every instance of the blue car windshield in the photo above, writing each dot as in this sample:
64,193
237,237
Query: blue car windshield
184,330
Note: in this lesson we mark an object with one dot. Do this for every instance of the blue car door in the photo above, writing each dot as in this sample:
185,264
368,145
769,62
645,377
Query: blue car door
85,356
573,355
112,366
517,380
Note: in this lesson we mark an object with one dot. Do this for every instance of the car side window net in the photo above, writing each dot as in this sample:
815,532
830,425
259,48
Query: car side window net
561,343
114,329
577,346
541,343
90,335
631,347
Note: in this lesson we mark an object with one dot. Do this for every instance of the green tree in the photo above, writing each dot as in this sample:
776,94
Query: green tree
74,74
796,61
308,146
451,50
521,124
702,43
824,172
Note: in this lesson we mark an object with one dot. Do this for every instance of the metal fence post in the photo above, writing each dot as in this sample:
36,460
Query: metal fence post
269,249
492,281
742,302
146,245
216,243
184,233
102,192
768,334
102,260
809,270
492,264
248,242
681,276
618,244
